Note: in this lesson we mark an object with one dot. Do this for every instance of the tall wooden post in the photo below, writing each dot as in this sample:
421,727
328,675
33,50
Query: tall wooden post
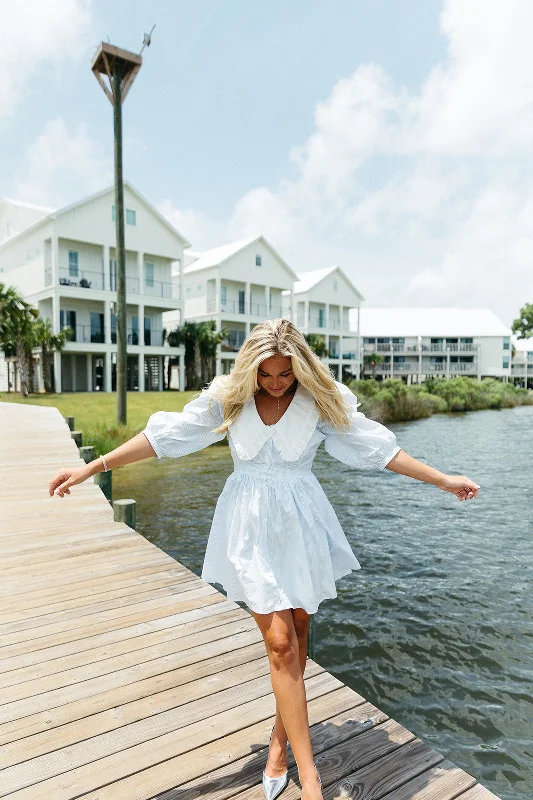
120,67
122,355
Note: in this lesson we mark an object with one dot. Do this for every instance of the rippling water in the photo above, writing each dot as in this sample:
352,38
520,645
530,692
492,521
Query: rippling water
436,628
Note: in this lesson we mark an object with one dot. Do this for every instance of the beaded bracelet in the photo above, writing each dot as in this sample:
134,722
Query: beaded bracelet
104,463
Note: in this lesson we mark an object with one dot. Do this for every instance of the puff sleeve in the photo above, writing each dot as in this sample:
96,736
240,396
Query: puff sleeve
366,445
177,433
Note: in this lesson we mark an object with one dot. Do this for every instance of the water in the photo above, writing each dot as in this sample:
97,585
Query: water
436,628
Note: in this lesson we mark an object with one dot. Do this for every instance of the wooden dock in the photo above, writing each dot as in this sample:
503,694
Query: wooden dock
124,676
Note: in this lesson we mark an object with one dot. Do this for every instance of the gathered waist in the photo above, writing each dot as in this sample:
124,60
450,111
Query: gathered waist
273,471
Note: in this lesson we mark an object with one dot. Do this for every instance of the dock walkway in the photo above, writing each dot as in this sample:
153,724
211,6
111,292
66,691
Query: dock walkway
124,676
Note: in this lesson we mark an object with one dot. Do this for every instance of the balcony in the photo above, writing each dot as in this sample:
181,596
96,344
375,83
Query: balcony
85,334
239,307
85,279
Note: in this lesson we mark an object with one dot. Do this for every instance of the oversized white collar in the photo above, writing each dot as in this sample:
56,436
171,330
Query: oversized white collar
290,434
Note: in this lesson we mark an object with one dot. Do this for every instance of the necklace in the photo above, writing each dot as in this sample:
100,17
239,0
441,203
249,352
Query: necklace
278,415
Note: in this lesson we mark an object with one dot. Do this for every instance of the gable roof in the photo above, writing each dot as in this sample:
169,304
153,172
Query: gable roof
59,212
217,256
436,322
307,280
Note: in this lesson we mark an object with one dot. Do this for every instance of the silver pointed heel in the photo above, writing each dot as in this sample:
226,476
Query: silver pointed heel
318,773
274,786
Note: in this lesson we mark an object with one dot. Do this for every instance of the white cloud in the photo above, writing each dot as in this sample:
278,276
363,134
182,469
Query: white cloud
423,197
38,35
60,159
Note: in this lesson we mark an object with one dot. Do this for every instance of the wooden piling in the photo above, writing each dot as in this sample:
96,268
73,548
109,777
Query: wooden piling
70,422
125,511
87,453
105,481
78,437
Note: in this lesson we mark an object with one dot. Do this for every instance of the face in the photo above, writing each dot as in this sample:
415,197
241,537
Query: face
275,374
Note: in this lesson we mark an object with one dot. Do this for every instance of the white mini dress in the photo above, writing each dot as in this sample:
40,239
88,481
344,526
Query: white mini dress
275,540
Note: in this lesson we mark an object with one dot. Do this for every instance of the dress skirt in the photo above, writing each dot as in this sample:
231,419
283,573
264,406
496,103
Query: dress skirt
275,540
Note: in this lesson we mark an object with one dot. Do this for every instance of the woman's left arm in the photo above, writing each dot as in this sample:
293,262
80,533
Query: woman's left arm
461,486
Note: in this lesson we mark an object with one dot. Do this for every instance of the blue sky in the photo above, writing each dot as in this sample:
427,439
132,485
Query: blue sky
386,137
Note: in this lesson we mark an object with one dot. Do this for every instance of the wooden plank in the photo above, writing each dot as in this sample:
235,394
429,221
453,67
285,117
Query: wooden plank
443,782
478,792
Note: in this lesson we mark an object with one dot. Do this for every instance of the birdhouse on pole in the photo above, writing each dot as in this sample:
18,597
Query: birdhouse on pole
110,60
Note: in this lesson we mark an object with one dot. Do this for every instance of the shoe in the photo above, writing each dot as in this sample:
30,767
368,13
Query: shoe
318,773
274,786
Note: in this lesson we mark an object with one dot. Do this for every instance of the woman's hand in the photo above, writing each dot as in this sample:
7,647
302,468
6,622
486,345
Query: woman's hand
65,478
461,486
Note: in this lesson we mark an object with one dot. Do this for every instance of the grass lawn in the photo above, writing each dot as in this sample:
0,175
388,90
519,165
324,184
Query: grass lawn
95,413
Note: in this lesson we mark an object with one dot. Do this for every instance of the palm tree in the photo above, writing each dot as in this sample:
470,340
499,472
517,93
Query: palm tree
16,322
317,345
200,340
372,359
48,341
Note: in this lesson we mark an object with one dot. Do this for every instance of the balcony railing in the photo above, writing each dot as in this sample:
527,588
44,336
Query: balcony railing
413,348
239,307
85,279
412,367
87,334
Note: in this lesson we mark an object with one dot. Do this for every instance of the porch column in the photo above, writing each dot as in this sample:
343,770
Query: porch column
217,295
182,373
107,371
57,372
56,317
141,369
89,372
55,260
247,299
106,271
267,302
306,315
140,271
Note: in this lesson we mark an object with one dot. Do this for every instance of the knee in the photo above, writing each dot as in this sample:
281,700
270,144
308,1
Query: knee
282,650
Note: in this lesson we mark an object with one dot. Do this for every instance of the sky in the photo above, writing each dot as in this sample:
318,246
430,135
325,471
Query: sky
394,139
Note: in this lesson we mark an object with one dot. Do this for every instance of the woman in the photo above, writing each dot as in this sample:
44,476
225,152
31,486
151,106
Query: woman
275,541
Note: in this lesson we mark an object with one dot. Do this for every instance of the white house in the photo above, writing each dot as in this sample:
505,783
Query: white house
325,300
417,343
522,363
16,216
237,285
65,264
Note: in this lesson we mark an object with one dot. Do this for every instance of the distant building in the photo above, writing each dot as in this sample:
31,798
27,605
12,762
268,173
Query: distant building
418,343
237,285
324,300
522,363
64,263
16,216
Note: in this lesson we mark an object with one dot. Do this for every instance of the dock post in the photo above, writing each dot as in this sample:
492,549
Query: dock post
105,481
87,453
311,638
70,422
78,437
125,511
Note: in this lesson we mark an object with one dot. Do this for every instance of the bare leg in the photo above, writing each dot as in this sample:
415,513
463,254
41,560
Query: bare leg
286,673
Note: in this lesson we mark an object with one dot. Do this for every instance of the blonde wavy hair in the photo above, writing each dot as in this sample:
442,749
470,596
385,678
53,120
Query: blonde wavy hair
271,338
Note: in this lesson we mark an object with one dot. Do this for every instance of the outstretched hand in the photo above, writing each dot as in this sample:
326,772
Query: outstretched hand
462,487
65,478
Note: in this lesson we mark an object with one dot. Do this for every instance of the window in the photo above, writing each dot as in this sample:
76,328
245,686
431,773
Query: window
134,331
148,274
148,330
335,285
223,294
199,286
258,261
113,214
113,328
73,260
506,340
131,216
506,362
241,301
321,318
97,327
67,319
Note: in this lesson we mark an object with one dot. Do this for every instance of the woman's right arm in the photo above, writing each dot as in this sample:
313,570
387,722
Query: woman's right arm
135,449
